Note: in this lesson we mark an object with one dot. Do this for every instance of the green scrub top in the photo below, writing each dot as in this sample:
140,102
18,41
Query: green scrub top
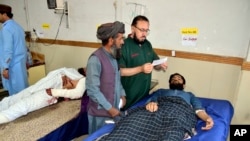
133,55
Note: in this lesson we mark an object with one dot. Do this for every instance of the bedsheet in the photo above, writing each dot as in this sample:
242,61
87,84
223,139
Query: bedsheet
220,110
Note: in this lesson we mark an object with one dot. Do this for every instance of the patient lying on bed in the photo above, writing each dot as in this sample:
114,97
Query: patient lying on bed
170,115
63,82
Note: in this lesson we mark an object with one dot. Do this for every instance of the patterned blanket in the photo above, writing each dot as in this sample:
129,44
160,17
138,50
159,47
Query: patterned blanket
173,119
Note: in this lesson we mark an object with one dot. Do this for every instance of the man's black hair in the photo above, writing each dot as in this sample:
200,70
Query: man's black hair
82,71
172,75
139,18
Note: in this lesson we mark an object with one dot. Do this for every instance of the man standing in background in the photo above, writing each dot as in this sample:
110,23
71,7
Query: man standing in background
135,63
103,83
13,53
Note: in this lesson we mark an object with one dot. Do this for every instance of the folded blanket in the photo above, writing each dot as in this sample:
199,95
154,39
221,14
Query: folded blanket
173,119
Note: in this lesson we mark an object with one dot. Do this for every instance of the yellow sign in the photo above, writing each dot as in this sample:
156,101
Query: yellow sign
45,26
189,31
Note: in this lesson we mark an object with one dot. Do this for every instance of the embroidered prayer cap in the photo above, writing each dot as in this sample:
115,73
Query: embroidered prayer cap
108,30
5,8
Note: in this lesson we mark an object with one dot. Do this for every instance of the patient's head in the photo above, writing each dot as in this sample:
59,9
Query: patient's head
67,82
177,81
82,71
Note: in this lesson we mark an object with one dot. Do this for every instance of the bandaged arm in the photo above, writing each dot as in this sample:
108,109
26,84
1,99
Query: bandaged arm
71,93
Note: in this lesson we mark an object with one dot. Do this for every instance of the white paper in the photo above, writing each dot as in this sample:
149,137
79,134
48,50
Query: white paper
159,61
120,104
189,40
109,121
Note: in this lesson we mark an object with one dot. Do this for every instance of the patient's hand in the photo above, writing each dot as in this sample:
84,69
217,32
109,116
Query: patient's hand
48,91
152,106
202,114
209,124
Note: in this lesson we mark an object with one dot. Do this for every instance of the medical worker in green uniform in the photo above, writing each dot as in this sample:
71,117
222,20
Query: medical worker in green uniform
136,62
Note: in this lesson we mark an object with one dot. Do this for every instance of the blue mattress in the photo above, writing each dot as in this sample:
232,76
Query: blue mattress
220,110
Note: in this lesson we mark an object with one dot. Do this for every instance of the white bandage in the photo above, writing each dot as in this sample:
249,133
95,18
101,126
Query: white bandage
197,111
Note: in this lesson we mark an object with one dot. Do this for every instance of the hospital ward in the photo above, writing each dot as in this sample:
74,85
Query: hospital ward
124,70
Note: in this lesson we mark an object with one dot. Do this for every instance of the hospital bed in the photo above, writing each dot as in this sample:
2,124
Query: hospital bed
220,110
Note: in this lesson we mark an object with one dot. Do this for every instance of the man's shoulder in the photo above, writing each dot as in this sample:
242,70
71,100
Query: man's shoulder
128,40
8,26
162,90
191,93
147,43
10,23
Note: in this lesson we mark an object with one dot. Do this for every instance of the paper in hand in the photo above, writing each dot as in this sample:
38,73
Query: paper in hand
120,104
159,61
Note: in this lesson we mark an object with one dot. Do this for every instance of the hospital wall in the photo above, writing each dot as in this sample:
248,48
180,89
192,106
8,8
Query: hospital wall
223,33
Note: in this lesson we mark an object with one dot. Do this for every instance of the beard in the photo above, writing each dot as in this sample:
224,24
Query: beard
115,52
176,86
137,40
